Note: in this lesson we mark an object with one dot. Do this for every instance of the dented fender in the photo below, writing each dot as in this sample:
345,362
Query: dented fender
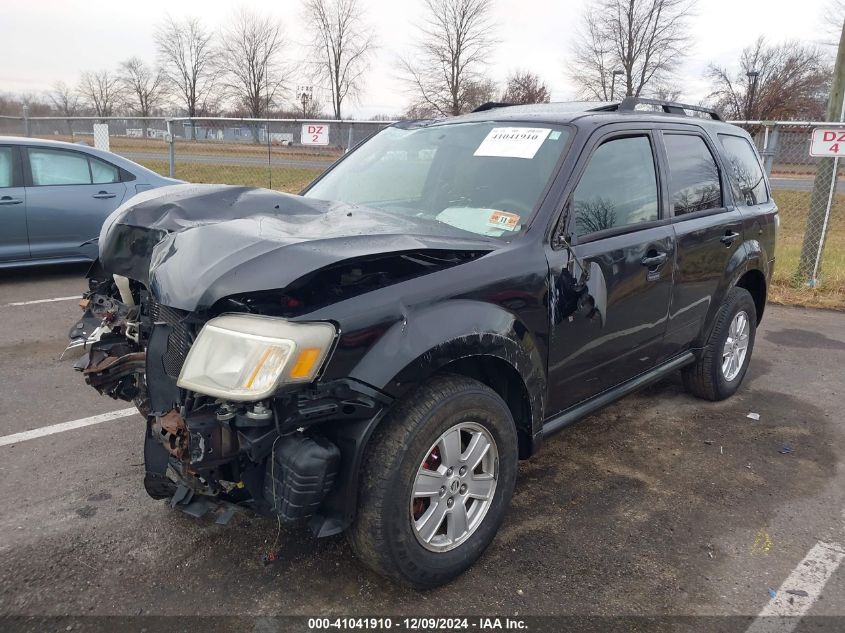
425,340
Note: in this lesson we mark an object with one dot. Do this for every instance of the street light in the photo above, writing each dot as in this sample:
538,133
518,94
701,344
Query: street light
613,82
752,78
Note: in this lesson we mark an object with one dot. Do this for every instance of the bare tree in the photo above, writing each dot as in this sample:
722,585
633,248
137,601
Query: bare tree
186,54
627,46
340,45
453,47
65,100
101,91
523,86
143,87
249,60
791,81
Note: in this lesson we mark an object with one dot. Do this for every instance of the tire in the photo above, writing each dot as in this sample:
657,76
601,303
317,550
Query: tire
404,445
707,378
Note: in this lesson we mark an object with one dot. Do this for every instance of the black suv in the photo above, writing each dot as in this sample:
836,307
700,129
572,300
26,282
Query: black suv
377,353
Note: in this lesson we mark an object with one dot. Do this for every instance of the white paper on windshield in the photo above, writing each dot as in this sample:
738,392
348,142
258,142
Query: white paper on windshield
512,142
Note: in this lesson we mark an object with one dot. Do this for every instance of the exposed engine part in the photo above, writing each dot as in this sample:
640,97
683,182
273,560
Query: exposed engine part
114,367
123,288
259,412
173,434
299,473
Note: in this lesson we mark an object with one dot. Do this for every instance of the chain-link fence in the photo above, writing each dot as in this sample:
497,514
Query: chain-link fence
287,154
810,265
283,154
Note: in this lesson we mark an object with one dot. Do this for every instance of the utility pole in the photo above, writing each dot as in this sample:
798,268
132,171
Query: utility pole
824,185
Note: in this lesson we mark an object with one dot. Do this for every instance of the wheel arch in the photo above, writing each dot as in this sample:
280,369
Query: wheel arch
754,281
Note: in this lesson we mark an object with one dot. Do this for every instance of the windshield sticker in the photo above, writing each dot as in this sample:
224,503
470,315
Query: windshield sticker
554,135
512,142
504,220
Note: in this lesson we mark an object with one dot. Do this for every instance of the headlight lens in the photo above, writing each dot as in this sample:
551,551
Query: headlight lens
246,357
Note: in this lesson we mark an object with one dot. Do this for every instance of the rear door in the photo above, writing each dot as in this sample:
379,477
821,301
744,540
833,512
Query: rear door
14,241
618,230
708,231
69,195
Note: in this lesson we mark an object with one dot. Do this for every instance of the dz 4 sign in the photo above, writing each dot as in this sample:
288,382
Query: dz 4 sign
315,134
828,142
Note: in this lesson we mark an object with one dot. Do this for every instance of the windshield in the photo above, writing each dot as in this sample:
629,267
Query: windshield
485,178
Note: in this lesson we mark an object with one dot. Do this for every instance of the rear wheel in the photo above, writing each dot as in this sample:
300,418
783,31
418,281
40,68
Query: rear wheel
719,371
436,483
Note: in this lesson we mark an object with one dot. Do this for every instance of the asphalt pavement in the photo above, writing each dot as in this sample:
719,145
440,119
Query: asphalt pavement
658,505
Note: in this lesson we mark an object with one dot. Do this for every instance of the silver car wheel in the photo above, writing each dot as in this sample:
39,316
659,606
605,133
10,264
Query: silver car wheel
736,346
454,487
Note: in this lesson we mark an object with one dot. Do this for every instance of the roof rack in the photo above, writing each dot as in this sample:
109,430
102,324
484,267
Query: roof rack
629,104
492,105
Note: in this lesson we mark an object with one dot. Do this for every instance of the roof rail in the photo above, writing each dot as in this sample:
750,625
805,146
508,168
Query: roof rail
629,104
492,105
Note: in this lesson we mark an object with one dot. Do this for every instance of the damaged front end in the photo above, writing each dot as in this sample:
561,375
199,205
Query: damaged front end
201,320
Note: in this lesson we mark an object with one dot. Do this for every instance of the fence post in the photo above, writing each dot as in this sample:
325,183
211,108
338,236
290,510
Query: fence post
171,153
771,149
26,129
349,138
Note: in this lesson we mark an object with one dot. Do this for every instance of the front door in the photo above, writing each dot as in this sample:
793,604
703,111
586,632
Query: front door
69,195
14,241
617,232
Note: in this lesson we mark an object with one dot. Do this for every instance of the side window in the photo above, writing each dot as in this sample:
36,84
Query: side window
745,172
693,175
6,166
618,187
57,167
103,173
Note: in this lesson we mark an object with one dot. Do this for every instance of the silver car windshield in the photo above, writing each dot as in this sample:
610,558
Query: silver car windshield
485,178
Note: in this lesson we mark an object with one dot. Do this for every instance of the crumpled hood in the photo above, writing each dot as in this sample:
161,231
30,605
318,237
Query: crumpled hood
195,244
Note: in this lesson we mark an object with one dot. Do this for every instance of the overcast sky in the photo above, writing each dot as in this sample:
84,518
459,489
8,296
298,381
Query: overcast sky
48,40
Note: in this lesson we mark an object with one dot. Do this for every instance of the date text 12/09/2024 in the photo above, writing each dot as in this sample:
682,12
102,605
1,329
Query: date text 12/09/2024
417,624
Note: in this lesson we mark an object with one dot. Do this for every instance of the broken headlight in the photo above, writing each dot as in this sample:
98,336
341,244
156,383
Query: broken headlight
246,357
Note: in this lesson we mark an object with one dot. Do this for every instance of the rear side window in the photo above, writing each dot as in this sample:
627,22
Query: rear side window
103,173
745,171
56,167
5,166
693,175
619,186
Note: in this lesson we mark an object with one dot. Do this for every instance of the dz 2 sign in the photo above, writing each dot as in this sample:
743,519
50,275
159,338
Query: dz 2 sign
315,134
828,142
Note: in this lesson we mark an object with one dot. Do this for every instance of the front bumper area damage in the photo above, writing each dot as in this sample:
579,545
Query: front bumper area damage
278,457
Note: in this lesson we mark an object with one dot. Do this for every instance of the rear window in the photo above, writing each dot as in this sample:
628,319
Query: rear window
744,170
693,175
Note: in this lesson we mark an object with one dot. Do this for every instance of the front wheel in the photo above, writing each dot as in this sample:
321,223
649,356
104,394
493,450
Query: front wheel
719,371
437,480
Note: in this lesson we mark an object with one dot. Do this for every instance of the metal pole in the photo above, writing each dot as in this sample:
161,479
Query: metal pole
171,154
771,149
349,139
26,129
813,279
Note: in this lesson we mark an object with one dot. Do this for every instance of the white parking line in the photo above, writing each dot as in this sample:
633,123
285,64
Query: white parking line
14,438
29,303
783,613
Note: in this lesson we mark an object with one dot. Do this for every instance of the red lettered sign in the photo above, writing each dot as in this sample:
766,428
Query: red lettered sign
315,134
828,142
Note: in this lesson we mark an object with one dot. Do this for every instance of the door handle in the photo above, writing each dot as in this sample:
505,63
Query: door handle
101,195
652,261
728,238
6,200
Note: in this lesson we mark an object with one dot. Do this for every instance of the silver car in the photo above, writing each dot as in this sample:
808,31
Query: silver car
54,197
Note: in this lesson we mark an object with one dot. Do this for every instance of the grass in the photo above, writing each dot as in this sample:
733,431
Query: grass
288,179
786,289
